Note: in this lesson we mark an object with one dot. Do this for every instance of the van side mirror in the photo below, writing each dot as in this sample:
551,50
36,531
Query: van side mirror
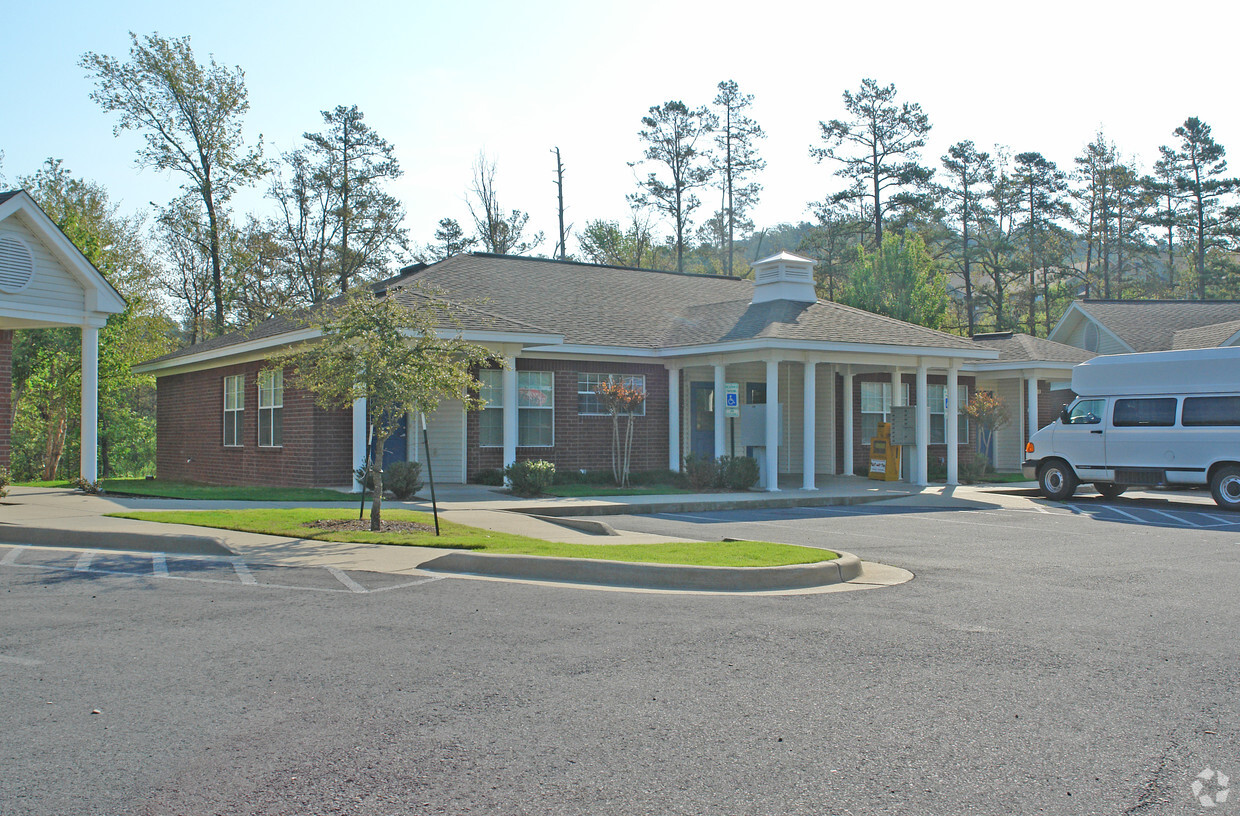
1063,415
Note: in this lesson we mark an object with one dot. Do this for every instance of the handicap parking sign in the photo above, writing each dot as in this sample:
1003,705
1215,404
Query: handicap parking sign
731,400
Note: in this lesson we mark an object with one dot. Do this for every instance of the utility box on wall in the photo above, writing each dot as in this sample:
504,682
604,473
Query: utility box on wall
904,425
752,430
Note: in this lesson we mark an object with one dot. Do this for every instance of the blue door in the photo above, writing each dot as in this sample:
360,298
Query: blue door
702,420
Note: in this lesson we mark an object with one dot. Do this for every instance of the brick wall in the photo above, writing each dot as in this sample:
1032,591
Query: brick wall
1050,403
584,442
316,448
6,394
861,447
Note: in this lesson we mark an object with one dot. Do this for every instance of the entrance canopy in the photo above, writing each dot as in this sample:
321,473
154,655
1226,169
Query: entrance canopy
45,281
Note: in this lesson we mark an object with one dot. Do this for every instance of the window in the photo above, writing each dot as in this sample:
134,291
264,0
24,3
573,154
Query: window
1086,412
876,406
234,406
938,413
491,417
270,409
1159,412
536,409
1211,411
588,402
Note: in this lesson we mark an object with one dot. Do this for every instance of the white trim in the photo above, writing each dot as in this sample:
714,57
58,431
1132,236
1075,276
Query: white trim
1075,308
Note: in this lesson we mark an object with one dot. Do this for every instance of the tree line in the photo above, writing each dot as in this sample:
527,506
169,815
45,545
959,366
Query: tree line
980,240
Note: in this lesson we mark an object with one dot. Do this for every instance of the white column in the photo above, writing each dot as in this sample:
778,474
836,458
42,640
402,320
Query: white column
848,420
359,439
90,403
508,384
413,437
897,399
772,425
673,419
1031,386
922,476
721,439
952,419
808,424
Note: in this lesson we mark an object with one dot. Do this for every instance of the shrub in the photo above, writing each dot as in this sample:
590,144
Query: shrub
530,478
703,474
739,472
576,477
656,477
493,477
403,479
5,481
86,485
362,474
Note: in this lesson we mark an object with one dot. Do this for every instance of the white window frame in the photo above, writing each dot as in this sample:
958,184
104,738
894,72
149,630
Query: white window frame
270,401
938,408
492,392
885,414
587,381
234,404
524,390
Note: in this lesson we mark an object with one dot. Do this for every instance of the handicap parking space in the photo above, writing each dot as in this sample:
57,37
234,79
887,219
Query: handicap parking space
204,569
1167,514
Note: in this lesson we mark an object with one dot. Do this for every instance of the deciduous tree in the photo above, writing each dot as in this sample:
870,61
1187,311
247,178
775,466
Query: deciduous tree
500,232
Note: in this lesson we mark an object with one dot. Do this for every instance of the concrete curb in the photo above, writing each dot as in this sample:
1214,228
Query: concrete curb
699,506
585,525
650,576
173,542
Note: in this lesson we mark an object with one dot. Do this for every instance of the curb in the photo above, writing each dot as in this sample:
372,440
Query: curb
650,508
113,540
584,525
650,576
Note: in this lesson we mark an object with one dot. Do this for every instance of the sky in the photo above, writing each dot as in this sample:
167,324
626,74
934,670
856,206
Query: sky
444,80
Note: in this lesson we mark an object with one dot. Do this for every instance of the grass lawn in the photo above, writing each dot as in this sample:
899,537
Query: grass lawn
290,523
575,491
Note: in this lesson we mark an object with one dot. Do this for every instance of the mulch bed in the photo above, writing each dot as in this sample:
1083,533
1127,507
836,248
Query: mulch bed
363,526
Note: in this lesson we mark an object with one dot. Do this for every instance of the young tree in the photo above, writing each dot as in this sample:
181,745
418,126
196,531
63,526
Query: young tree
385,347
1201,179
619,398
736,161
606,242
190,116
498,232
671,133
451,240
899,280
970,170
877,149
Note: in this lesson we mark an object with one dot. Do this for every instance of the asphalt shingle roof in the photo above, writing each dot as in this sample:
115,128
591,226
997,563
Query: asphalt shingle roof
1210,336
597,305
1025,348
1151,325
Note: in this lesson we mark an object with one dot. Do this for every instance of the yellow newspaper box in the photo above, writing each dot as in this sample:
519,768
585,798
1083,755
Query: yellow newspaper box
884,456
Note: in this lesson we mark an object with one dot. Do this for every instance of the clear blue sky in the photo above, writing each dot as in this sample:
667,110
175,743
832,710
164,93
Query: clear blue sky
443,80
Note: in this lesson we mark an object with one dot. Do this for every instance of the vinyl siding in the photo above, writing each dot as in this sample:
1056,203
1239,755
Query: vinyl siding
52,288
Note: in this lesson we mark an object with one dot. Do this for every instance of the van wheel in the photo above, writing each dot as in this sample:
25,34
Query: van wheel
1109,490
1057,480
1225,488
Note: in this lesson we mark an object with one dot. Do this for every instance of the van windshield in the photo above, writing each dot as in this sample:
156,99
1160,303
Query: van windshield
1086,412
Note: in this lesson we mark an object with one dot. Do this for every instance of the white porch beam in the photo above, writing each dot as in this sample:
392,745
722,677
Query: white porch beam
922,475
508,384
673,419
721,439
90,403
808,441
952,420
359,439
772,425
848,419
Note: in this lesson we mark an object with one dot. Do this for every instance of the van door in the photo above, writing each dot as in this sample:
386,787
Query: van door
1082,441
1142,439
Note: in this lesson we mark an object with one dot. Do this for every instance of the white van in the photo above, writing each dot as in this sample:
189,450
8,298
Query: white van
1159,418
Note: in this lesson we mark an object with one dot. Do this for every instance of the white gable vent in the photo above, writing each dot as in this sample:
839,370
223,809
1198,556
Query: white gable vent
16,264
784,277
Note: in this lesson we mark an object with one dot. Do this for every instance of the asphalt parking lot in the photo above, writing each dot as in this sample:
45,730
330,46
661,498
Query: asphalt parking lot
1060,659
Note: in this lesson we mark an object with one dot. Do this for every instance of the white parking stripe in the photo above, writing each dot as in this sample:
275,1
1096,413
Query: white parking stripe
1124,513
1223,522
159,565
353,586
1187,521
243,572
11,556
83,562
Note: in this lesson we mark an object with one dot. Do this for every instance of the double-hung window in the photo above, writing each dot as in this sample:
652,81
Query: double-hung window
536,409
876,406
491,417
588,403
234,408
938,413
270,409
